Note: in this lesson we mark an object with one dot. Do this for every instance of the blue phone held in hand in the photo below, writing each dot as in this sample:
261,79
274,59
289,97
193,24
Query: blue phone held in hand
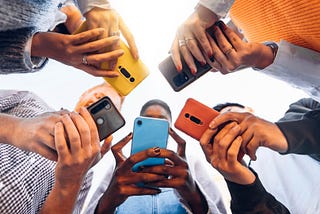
148,133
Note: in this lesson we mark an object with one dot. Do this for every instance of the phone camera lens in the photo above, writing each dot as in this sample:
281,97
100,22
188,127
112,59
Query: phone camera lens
132,79
100,121
187,115
139,122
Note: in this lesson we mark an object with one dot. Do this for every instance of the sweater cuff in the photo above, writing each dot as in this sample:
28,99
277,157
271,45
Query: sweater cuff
246,195
15,55
87,5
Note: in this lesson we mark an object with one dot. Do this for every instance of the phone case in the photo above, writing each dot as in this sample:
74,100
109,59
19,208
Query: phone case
147,133
194,118
180,80
106,116
131,71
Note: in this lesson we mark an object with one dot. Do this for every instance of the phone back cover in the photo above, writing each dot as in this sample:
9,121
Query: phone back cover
112,118
131,72
192,111
147,133
135,71
180,80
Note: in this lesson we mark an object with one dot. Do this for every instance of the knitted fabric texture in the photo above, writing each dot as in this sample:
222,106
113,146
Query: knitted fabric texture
297,22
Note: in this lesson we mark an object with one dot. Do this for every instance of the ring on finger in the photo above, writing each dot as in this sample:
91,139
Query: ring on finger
188,39
84,59
182,42
228,51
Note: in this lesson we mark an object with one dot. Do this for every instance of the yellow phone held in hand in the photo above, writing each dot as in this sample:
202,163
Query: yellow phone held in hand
131,71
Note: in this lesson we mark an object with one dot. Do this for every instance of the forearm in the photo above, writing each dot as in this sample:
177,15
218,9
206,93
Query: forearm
288,64
195,200
107,204
7,126
86,5
253,198
302,135
61,200
15,53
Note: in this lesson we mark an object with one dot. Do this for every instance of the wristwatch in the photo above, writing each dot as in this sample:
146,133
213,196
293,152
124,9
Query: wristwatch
273,46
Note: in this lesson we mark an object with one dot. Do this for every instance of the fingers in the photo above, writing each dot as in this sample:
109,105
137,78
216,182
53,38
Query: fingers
97,45
117,149
181,143
88,36
72,135
60,141
176,159
106,145
226,117
129,38
140,156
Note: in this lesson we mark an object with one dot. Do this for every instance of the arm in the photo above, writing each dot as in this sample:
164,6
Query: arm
80,133
302,135
15,52
288,64
247,193
244,199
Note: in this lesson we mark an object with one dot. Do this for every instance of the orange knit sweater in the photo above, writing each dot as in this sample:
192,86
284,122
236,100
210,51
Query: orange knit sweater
296,21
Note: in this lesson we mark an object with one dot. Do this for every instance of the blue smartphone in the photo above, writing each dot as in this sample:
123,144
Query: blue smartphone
147,133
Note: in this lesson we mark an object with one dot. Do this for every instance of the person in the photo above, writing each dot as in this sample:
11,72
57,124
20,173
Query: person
31,183
34,25
190,188
281,47
34,41
304,167
248,195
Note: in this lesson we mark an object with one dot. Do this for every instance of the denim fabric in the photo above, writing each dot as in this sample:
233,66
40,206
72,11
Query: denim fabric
165,202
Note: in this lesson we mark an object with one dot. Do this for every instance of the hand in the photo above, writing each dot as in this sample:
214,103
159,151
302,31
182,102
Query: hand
113,24
124,181
37,134
72,49
254,132
230,52
222,154
179,177
77,142
191,33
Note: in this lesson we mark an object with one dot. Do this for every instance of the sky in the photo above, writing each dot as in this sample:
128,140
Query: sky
153,24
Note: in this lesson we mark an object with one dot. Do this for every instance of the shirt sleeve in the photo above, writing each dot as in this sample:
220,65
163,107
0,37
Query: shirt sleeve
15,52
253,198
219,7
298,66
87,5
302,135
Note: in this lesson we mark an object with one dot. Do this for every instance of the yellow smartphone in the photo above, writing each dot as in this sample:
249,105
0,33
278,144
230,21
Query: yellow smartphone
131,71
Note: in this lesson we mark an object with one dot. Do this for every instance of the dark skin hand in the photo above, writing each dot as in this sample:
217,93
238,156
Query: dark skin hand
124,181
179,177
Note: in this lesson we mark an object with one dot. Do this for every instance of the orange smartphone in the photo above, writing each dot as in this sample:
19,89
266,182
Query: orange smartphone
131,71
194,120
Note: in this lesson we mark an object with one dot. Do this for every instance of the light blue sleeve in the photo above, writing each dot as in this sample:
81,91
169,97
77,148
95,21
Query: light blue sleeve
219,7
298,66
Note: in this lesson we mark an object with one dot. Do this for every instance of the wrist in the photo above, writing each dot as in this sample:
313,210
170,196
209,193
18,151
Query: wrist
206,15
8,125
243,177
266,55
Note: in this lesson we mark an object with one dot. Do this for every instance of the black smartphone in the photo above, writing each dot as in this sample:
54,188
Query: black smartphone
180,80
106,116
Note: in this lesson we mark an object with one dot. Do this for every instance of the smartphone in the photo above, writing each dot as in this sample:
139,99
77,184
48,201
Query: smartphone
180,80
194,118
106,116
147,133
131,71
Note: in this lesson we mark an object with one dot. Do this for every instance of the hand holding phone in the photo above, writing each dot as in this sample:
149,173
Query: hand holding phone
147,133
131,71
106,116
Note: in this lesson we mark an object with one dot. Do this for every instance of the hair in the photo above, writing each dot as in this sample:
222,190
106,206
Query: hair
221,106
153,103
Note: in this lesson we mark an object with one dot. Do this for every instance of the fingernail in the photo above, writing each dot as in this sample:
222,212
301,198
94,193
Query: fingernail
193,71
179,68
156,150
212,125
